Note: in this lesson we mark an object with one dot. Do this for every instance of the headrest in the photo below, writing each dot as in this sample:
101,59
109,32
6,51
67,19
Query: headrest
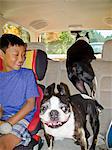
107,51
39,62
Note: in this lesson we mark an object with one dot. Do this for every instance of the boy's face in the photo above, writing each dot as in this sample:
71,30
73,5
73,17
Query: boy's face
14,57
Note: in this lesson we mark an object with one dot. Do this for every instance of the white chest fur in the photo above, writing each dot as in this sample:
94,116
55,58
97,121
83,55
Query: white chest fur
65,131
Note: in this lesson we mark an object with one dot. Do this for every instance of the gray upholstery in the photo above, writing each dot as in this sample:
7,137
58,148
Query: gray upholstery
107,51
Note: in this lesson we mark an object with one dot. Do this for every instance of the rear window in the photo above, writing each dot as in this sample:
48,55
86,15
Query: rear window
57,43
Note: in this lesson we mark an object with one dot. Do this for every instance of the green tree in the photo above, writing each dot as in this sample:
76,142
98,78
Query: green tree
108,38
96,37
61,45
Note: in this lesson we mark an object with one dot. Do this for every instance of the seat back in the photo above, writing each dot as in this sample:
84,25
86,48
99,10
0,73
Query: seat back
106,75
107,56
107,51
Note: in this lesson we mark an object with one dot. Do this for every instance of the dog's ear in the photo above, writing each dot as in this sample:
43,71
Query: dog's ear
78,36
63,89
87,35
49,90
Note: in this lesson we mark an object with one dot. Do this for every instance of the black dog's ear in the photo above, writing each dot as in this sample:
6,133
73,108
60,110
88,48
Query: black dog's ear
78,36
87,35
49,90
63,89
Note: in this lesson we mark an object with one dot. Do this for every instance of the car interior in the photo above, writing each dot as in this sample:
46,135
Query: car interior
46,16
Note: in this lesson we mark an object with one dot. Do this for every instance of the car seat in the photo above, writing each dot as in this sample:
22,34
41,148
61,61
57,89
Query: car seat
39,66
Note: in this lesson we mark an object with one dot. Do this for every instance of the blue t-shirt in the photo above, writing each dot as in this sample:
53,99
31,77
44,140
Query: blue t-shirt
15,88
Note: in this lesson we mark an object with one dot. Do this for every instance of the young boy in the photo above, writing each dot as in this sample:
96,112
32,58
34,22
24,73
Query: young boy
18,90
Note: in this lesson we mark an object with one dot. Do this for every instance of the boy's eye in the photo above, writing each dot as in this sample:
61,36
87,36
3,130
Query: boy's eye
15,54
24,55
18,55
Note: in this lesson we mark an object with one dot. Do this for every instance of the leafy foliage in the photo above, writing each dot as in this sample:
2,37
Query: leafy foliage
96,37
60,45
18,31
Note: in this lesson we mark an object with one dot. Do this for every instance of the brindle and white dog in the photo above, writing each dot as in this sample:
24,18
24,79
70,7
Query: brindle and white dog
64,116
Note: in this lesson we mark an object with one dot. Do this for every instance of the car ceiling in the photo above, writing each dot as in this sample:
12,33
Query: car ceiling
57,15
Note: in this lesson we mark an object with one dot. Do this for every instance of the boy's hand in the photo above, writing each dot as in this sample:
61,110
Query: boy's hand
1,122
5,127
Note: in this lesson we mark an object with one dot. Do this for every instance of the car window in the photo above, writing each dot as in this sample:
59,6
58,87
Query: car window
97,47
57,43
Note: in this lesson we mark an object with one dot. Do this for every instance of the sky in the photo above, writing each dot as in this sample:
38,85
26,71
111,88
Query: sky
105,32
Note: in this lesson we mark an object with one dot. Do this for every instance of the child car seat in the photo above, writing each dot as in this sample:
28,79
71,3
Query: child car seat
1,67
39,66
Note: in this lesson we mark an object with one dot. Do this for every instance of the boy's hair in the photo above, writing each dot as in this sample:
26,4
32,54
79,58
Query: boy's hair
10,39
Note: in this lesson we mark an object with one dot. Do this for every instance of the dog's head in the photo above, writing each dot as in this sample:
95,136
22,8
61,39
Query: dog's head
55,107
80,37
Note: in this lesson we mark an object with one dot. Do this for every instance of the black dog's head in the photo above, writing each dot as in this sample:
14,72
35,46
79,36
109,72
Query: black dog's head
55,107
85,38
78,36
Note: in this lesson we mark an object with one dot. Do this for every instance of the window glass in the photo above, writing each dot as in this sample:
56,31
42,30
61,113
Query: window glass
18,31
58,42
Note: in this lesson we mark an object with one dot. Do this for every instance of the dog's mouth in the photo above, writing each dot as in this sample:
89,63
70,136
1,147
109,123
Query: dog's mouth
55,124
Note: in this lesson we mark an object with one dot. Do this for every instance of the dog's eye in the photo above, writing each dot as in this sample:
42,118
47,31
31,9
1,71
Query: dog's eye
64,108
43,108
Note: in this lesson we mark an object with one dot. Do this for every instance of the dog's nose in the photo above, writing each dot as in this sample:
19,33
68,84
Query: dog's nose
54,115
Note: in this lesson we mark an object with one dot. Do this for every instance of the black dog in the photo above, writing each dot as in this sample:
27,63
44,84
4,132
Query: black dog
64,116
78,64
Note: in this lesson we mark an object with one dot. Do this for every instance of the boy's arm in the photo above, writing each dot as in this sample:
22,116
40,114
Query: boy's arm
1,111
26,109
